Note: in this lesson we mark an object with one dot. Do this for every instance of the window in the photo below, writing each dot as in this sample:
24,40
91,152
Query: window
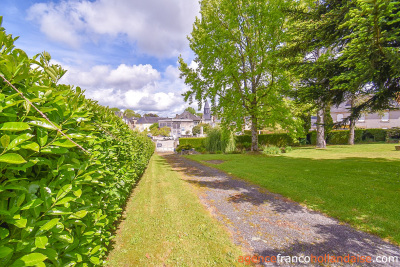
385,116
339,117
362,118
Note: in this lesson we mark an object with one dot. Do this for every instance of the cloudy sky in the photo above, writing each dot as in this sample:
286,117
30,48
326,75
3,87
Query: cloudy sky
122,52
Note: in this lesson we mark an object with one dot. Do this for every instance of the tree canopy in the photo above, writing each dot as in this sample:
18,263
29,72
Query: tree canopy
131,114
236,46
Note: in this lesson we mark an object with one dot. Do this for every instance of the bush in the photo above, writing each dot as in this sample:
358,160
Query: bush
279,139
213,141
271,150
286,149
59,201
375,135
196,142
184,147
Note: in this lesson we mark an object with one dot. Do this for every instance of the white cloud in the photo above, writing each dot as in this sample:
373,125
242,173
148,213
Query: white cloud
159,28
137,87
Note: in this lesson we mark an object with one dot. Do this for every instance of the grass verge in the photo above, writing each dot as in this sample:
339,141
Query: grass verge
166,225
357,184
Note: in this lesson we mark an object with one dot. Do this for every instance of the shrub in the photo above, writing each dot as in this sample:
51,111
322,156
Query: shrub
213,141
184,147
375,135
196,142
286,149
59,201
271,150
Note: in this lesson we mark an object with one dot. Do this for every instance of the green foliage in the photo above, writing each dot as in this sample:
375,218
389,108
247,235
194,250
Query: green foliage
243,79
338,137
271,150
196,142
280,139
375,135
184,147
191,110
213,141
115,109
131,114
156,131
206,128
58,204
150,115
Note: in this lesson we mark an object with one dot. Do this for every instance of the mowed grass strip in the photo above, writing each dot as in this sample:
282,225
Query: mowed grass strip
357,184
166,225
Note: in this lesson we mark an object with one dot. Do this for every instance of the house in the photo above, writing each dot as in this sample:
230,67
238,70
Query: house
144,123
181,125
385,119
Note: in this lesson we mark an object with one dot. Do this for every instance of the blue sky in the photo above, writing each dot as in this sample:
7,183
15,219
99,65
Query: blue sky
122,52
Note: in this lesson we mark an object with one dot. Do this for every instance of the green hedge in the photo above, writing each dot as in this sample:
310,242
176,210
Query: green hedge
339,137
59,204
196,142
280,140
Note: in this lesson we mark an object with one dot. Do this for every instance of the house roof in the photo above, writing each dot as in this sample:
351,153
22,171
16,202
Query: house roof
188,116
149,120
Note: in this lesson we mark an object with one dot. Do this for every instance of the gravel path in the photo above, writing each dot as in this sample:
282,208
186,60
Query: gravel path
268,224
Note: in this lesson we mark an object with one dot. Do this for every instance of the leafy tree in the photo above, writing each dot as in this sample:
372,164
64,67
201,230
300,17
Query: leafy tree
131,114
191,110
150,115
115,109
154,126
316,39
206,128
236,45
156,131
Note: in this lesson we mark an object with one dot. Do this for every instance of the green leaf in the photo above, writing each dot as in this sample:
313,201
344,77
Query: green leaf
78,215
5,251
4,233
41,135
64,143
5,140
54,150
30,259
41,241
32,204
65,238
94,260
31,146
64,191
19,140
21,223
65,200
78,192
12,158
43,124
14,126
49,225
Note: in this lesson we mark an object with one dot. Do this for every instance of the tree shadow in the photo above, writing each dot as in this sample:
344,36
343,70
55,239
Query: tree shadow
338,240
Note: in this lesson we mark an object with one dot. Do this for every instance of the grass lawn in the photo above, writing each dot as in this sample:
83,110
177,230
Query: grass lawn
166,225
357,184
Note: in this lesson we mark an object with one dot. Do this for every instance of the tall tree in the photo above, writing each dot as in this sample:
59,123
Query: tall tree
191,110
236,46
131,114
150,115
314,45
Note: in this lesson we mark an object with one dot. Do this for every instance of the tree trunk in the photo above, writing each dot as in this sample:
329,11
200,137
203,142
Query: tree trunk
254,135
321,127
351,131
352,124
